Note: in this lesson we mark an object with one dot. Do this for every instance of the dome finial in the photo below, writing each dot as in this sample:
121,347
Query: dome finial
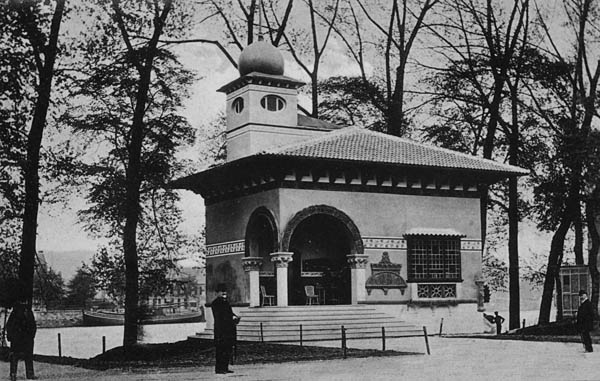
260,31
260,56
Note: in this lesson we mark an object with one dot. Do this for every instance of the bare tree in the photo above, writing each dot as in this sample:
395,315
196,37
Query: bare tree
307,55
485,47
569,115
393,31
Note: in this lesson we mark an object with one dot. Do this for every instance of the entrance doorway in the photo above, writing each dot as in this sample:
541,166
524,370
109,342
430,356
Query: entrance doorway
261,241
320,243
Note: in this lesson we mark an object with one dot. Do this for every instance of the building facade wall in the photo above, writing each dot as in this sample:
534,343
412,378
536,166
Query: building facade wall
383,219
226,224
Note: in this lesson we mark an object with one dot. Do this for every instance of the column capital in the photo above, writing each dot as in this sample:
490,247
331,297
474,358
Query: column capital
357,261
281,258
251,263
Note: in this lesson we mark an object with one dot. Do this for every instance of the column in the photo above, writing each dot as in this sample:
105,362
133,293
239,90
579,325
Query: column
281,260
479,282
251,266
357,263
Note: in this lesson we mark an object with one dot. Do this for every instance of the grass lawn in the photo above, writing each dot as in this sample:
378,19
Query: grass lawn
199,352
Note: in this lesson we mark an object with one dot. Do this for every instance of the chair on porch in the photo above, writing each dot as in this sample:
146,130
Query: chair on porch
266,299
310,295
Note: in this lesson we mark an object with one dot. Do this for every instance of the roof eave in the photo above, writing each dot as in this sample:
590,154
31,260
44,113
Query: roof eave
501,172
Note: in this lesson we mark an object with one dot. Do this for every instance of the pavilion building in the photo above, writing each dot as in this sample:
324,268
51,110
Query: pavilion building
362,216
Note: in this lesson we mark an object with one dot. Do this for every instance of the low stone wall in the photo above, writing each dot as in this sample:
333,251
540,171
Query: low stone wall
58,318
459,318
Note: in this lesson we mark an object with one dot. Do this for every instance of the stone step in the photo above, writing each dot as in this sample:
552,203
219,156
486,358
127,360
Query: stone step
327,323
312,308
310,313
318,323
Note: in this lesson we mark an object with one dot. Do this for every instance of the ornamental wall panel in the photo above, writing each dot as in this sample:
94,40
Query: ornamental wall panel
225,248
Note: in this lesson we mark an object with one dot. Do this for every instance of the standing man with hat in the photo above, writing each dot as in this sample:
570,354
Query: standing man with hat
585,320
224,327
20,330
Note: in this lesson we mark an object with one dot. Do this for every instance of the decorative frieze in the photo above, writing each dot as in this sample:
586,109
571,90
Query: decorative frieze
470,245
400,243
225,248
384,243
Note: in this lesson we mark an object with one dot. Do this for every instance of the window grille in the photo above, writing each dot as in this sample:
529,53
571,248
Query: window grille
434,259
438,291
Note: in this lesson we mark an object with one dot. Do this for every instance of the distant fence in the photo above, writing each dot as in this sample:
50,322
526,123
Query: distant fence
343,337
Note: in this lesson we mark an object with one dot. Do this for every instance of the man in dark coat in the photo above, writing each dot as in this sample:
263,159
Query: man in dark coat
498,320
225,331
585,320
20,331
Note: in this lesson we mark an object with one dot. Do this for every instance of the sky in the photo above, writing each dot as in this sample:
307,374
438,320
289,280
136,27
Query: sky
58,229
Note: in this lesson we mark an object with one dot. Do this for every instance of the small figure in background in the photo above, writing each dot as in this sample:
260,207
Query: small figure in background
225,330
20,331
488,321
585,320
498,320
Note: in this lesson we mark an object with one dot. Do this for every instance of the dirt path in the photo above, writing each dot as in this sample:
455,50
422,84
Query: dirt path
451,359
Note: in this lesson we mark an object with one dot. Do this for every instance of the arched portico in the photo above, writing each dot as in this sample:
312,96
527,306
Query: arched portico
321,238
260,242
357,246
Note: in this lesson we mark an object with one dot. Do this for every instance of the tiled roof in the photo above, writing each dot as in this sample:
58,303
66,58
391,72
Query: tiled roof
430,231
360,145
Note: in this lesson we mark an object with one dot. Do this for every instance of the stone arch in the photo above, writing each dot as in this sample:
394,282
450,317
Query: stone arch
357,246
261,217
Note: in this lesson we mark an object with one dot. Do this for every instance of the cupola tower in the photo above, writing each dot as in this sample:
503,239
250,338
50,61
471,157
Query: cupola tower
262,104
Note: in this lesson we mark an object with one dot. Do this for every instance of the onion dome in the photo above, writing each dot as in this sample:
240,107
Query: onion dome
262,57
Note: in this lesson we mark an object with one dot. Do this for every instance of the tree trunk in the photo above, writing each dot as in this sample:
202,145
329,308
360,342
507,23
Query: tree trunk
32,165
513,216
132,209
556,253
559,299
488,148
592,223
133,181
250,22
513,254
315,93
396,113
578,246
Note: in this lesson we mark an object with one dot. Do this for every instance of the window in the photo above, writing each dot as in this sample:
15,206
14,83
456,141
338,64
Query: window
272,103
238,105
433,259
574,278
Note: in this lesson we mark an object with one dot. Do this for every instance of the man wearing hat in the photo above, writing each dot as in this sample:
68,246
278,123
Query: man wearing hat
20,330
225,331
585,320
